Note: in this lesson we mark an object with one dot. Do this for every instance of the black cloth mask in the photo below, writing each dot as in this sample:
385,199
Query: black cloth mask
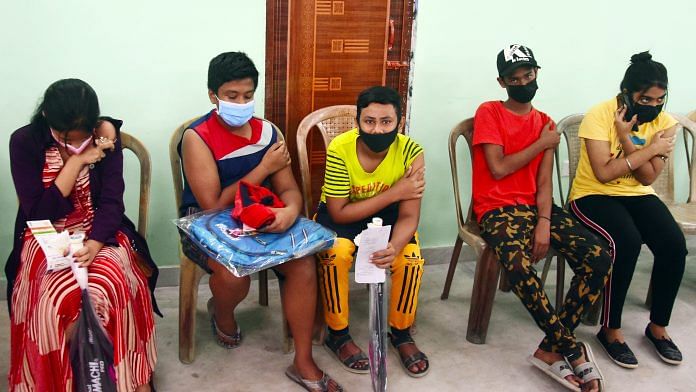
378,142
646,113
523,94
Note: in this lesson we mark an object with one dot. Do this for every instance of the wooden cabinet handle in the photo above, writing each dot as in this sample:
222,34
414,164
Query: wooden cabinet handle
392,29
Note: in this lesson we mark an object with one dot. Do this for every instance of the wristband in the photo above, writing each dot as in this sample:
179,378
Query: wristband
544,217
630,167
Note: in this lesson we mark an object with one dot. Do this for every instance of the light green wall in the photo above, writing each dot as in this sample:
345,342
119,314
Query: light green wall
583,48
148,61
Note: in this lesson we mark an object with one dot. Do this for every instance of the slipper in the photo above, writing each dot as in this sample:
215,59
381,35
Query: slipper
222,339
558,371
665,348
334,346
321,385
589,370
406,363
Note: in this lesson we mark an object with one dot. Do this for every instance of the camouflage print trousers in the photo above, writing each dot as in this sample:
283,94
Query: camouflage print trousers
510,232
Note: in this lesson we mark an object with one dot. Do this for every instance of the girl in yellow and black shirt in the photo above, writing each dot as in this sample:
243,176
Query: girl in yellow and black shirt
626,142
373,171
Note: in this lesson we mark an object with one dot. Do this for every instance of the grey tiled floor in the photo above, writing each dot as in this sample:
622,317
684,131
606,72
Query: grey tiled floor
456,364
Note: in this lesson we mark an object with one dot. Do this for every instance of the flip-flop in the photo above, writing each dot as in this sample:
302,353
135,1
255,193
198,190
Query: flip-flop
335,346
222,339
558,371
321,385
589,370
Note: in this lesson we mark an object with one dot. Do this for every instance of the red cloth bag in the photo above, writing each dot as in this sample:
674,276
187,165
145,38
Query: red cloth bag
253,203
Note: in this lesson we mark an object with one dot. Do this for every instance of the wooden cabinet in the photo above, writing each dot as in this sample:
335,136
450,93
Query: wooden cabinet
323,52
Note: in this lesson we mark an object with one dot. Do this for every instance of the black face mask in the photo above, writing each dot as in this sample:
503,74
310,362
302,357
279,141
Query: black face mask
523,94
378,142
646,113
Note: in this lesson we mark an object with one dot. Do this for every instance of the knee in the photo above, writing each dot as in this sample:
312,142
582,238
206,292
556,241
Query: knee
628,246
673,247
341,254
225,277
518,268
302,269
601,261
410,255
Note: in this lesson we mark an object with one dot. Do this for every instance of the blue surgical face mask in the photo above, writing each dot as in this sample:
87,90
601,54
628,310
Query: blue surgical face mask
235,114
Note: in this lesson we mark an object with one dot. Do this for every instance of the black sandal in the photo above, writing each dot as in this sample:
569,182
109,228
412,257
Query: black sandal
351,364
407,362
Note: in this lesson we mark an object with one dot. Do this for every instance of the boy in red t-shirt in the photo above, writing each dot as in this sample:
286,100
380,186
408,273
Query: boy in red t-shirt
512,163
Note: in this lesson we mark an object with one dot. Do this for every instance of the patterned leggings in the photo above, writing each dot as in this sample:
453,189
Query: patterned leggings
510,231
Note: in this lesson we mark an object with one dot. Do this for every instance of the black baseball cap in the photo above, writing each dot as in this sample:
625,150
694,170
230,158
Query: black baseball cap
513,57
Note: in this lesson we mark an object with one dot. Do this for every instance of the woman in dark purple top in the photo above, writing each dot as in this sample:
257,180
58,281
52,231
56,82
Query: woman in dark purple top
67,167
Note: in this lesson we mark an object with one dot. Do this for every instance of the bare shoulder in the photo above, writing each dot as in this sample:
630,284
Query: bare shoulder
194,147
192,140
671,130
419,161
106,129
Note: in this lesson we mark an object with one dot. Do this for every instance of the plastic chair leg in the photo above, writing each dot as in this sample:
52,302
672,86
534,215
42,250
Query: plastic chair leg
189,278
482,296
452,267
263,287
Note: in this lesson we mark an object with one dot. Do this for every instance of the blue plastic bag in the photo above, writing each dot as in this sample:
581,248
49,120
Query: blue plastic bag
244,253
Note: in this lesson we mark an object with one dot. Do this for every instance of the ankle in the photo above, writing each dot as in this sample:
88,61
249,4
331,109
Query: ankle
308,369
657,331
338,333
304,362
547,356
226,325
401,336
613,334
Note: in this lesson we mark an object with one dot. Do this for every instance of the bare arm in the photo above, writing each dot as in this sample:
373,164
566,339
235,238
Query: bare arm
545,185
402,232
407,223
285,186
607,168
502,165
74,164
202,173
410,186
648,172
542,230
645,162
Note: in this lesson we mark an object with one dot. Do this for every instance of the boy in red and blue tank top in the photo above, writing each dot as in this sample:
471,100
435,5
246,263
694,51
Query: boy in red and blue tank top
226,146
512,162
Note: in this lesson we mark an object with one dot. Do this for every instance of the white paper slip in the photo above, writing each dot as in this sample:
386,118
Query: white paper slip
54,245
372,239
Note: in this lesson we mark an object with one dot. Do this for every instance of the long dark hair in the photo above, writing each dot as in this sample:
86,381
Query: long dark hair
68,104
644,73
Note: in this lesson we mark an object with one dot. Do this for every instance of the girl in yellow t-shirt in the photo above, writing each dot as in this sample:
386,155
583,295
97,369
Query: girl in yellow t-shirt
626,142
